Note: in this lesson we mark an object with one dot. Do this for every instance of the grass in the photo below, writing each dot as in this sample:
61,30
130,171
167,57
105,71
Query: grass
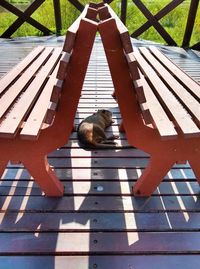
174,23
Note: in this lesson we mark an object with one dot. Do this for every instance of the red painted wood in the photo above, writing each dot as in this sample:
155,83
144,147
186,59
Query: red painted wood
10,76
20,110
11,96
137,133
37,163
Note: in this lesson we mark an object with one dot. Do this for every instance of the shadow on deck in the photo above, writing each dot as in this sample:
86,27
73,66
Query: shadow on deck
98,223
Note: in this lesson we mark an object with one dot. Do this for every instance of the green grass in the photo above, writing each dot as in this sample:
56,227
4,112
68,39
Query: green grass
19,2
174,23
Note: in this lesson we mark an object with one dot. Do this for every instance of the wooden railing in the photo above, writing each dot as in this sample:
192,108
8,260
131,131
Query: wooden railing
152,20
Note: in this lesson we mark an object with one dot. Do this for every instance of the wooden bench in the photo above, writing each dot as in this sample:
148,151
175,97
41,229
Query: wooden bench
159,103
38,102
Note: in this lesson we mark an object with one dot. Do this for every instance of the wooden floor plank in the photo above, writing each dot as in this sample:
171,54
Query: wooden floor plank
100,204
112,174
99,222
99,243
106,262
101,163
99,188
114,162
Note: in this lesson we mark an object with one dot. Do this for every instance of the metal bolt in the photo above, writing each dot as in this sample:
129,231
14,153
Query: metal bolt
99,188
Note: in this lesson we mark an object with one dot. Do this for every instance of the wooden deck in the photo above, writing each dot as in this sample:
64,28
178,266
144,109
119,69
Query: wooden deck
98,224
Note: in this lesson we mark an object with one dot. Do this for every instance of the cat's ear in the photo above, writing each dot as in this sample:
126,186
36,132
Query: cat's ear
103,111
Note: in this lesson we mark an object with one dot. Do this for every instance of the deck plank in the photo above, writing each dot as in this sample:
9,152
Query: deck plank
106,262
100,188
100,222
99,243
86,203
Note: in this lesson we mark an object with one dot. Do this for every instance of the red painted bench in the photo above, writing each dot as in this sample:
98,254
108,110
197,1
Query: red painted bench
38,102
159,103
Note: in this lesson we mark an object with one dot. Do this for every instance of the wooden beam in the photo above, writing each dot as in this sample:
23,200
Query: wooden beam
190,22
57,13
163,12
22,17
155,23
123,11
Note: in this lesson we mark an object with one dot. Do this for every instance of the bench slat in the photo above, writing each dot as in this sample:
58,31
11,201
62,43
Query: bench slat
51,112
160,120
181,93
92,14
12,122
181,117
63,66
33,124
11,75
180,74
133,67
69,41
56,91
104,13
9,97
